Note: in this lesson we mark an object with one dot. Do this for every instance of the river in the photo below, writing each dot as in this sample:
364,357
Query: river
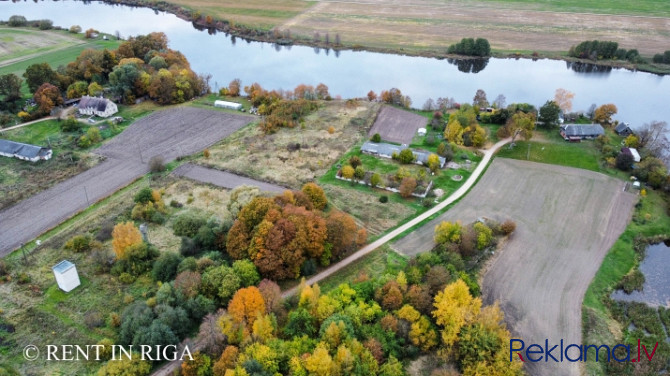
640,97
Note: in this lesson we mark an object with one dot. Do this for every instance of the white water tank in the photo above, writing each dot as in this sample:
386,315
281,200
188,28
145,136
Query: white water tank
66,275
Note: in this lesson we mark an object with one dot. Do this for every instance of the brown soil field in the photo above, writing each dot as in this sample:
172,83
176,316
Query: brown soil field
430,25
567,219
269,158
397,125
168,133
222,178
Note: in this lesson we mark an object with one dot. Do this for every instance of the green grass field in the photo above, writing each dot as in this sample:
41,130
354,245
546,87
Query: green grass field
581,155
657,8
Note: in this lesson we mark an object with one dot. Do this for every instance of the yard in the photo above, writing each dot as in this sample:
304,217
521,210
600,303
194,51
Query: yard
397,125
294,156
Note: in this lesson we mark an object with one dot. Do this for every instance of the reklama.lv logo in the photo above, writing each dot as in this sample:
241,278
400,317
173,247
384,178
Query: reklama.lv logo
575,353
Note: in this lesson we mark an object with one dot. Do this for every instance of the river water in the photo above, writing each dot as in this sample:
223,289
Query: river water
640,97
655,267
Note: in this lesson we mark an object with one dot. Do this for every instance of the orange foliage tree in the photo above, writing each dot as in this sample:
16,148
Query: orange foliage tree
125,235
246,305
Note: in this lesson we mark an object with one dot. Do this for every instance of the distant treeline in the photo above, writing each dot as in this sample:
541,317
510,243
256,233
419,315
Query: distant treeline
20,21
663,58
604,50
471,47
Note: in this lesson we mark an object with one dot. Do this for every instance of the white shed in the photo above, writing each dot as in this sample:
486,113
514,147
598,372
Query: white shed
422,131
66,275
228,105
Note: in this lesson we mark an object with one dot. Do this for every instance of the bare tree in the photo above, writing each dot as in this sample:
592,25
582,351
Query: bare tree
654,137
117,34
327,39
429,105
480,99
500,101
591,111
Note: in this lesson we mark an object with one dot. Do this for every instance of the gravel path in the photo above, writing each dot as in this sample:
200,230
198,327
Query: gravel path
222,178
168,133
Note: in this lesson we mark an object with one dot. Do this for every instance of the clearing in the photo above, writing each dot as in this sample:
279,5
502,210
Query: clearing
567,219
396,125
294,156
170,133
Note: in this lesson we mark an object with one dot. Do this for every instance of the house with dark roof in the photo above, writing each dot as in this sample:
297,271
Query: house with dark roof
384,150
578,132
99,106
623,129
24,152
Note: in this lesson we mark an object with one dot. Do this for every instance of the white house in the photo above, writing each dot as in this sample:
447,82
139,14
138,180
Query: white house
66,275
25,152
228,105
99,106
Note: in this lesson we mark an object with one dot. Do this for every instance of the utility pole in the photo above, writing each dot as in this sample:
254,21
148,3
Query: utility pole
86,193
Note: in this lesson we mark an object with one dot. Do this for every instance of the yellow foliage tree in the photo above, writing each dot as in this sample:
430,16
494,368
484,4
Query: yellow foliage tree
433,162
408,313
309,297
448,232
263,328
455,307
604,113
320,363
348,172
422,335
563,99
632,141
125,235
454,132
246,305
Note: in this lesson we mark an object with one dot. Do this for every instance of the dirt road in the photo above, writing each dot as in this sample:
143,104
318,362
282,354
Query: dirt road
168,133
222,178
391,235
567,219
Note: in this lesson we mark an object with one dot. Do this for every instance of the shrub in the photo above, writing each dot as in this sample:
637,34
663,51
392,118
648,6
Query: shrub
188,224
359,172
206,153
156,164
383,199
407,187
347,172
79,243
93,319
316,195
16,20
331,130
176,204
355,161
508,227
70,125
144,195
375,180
75,29
126,278
4,270
46,24
165,268
624,161
84,142
406,156
376,138
105,232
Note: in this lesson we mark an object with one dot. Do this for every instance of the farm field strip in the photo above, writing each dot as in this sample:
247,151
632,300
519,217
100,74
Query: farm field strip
397,125
222,178
567,219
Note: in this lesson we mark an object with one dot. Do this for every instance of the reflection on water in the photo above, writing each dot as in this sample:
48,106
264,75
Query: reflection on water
469,65
656,270
588,68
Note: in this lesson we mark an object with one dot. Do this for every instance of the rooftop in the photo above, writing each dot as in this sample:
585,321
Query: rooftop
387,150
62,266
24,150
583,130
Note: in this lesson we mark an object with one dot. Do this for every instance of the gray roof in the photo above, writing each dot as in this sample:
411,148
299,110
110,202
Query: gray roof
388,150
24,150
583,130
62,266
621,127
98,104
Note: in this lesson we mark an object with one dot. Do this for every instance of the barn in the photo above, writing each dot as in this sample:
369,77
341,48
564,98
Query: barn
24,152
228,105
578,132
99,106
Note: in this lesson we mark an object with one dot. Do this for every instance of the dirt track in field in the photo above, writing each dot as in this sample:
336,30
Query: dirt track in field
222,178
168,133
397,125
431,24
567,219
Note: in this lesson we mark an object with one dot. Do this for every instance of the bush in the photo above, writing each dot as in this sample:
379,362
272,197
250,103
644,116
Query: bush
93,319
165,268
105,232
624,161
383,199
79,243
15,21
359,173
144,195
188,224
406,156
156,164
407,187
508,227
176,204
70,125
4,270
188,247
355,161
46,24
75,29
376,138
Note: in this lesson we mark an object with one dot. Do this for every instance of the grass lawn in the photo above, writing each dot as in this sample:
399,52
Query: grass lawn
599,326
657,8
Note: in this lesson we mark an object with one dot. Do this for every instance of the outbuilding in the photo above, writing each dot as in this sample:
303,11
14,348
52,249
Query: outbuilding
24,152
633,153
66,275
228,105
623,129
576,132
422,131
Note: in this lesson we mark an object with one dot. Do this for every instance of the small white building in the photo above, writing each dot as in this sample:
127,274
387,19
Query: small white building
23,151
99,106
66,275
422,131
228,105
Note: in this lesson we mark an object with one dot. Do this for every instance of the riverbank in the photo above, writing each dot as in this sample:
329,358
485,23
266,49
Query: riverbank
286,27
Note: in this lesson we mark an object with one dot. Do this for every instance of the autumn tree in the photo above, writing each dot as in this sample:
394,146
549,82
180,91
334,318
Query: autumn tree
454,131
234,87
227,360
391,296
322,91
500,101
448,232
372,96
376,180
480,99
341,229
133,366
653,136
271,295
563,98
124,236
454,308
47,97
200,364
348,172
316,195
38,74
94,89
604,113
246,305
521,123
407,187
